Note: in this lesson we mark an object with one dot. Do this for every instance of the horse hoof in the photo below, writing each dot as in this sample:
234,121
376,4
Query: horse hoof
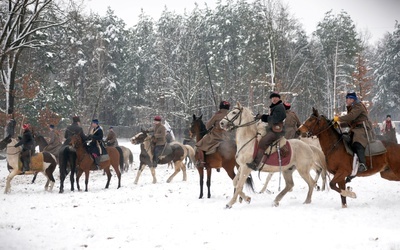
228,206
248,200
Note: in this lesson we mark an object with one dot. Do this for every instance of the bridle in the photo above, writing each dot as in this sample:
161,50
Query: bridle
238,115
309,130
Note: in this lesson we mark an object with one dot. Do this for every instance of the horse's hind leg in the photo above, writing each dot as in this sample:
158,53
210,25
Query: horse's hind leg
310,182
267,180
107,171
87,179
177,167
288,177
118,173
78,175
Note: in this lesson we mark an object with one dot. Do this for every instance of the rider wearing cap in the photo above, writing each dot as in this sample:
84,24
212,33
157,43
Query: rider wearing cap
96,137
158,139
28,147
209,143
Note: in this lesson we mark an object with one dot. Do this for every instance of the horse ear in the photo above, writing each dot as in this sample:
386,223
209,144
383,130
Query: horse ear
315,111
200,117
238,104
194,117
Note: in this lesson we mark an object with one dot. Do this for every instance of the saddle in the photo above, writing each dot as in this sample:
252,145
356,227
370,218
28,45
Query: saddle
375,147
271,156
166,151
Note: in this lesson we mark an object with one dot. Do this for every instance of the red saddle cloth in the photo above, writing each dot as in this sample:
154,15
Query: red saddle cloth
273,158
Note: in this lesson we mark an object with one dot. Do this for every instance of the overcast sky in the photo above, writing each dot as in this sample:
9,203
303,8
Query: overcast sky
378,16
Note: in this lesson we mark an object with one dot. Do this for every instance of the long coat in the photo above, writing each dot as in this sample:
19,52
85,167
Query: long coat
112,139
27,141
356,117
159,134
216,135
54,142
292,123
72,129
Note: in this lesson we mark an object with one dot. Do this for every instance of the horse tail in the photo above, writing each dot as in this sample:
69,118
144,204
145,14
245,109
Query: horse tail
121,159
130,157
250,183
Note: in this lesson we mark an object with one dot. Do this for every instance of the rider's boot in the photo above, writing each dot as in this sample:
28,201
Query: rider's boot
97,161
254,164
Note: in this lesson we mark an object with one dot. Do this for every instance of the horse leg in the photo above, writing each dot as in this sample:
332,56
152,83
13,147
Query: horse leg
78,175
153,173
201,181
183,168
177,167
118,173
239,181
338,184
310,182
266,184
9,178
107,171
139,172
208,183
288,177
87,179
34,177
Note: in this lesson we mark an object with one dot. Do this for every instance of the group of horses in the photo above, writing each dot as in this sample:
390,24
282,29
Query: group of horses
326,153
72,158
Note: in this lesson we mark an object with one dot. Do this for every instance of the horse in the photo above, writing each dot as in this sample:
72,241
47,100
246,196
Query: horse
242,119
67,164
223,157
339,162
43,162
176,155
85,162
320,162
190,155
128,158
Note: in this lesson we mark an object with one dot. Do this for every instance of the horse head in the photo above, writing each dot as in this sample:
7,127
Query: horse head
5,142
139,138
76,140
233,118
315,124
197,127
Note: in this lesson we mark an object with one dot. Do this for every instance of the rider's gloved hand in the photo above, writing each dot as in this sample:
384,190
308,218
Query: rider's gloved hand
336,118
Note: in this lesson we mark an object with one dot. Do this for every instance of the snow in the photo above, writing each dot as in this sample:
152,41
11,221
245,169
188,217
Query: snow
170,215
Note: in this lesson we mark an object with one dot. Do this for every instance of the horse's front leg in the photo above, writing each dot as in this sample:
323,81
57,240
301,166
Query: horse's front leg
338,183
201,180
86,179
209,169
241,179
139,172
153,174
8,182
78,175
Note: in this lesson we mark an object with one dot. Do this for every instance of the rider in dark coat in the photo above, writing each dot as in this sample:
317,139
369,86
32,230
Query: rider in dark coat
96,136
10,130
277,115
74,128
28,147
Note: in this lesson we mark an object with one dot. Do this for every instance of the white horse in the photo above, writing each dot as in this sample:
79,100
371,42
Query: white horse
320,162
43,162
178,154
242,119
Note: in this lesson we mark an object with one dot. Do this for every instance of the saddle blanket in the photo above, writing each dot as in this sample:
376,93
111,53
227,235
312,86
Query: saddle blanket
273,159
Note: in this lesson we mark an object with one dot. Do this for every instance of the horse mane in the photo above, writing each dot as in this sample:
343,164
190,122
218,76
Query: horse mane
203,129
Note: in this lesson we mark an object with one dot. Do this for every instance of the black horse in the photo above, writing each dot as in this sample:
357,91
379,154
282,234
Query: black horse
67,163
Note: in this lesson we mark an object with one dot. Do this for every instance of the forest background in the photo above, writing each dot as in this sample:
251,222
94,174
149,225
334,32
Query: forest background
57,60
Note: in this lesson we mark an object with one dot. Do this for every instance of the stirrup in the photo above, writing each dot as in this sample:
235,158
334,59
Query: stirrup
252,165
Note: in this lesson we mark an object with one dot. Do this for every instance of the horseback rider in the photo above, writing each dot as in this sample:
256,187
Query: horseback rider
54,142
158,139
28,147
357,118
111,140
209,143
10,130
292,122
96,137
74,128
275,129
388,129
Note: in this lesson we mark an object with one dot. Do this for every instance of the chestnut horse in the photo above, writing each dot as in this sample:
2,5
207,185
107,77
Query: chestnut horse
302,156
85,162
43,162
339,162
223,157
177,155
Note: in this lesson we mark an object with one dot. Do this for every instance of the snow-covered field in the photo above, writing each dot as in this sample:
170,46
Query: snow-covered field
170,215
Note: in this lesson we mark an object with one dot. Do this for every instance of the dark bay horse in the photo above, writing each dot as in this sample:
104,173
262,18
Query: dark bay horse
67,164
177,154
85,162
339,162
224,156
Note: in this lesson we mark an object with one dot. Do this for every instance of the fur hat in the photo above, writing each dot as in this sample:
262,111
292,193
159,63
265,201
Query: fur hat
274,94
25,126
157,118
224,105
352,95
51,126
76,119
95,121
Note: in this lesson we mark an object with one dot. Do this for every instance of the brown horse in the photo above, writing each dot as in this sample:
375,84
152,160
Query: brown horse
339,162
85,162
224,156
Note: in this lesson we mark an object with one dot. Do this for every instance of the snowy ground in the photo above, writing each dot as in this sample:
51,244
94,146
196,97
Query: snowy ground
170,215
